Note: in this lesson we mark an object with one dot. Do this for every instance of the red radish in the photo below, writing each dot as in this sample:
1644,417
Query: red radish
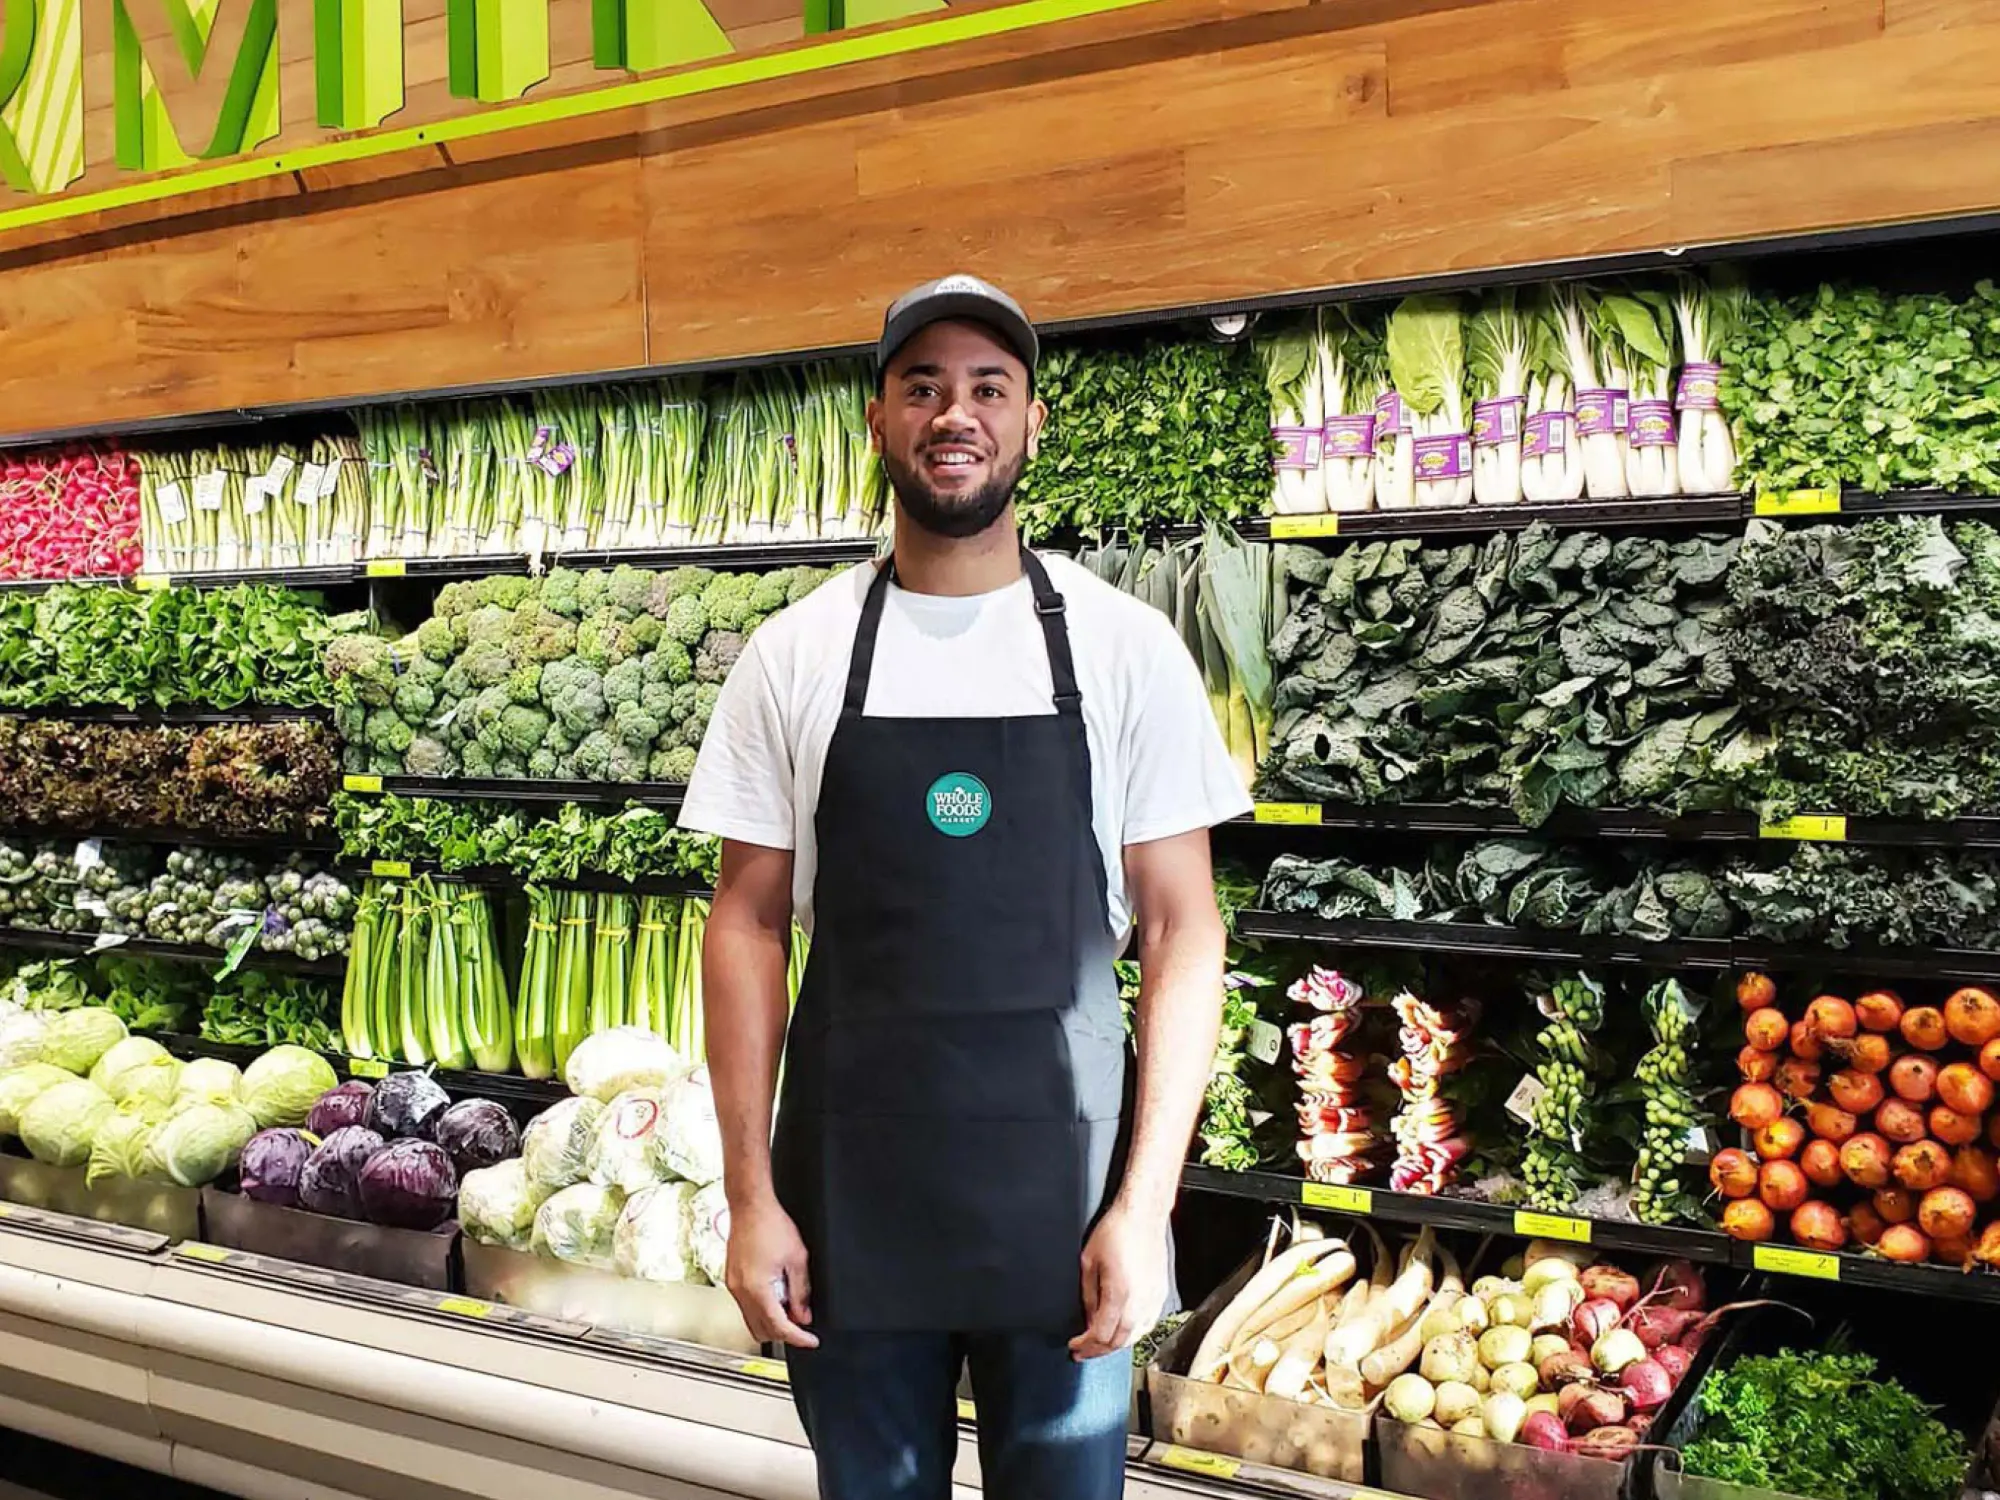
1646,1384
1593,1318
1611,1283
1545,1430
1817,1227
1674,1360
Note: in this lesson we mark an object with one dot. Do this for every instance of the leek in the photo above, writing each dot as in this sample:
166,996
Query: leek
1236,593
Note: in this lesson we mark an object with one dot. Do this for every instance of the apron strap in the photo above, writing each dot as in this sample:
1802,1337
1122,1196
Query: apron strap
1049,610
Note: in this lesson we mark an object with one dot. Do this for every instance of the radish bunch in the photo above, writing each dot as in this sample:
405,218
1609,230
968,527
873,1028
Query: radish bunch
69,513
1337,1141
1435,1044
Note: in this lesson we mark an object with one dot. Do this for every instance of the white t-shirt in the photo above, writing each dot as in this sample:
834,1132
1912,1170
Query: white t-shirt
1157,761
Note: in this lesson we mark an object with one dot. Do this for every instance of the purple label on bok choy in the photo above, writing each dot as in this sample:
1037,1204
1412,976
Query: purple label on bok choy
1298,447
1497,421
1390,417
1445,455
1547,432
1599,412
1652,424
1349,437
1700,387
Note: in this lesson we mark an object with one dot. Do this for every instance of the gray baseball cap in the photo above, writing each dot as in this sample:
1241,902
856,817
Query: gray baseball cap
958,296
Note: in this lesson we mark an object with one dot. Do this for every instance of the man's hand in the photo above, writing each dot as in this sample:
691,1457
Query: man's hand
1124,1281
767,1275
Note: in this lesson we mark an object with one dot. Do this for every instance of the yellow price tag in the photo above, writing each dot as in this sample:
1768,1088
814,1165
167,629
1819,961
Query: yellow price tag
764,1369
6,1209
1288,528
1799,503
967,1412
1818,828
147,582
465,1307
196,1250
367,1067
1288,812
387,567
361,783
390,869
1346,1200
1214,1465
1787,1261
1551,1227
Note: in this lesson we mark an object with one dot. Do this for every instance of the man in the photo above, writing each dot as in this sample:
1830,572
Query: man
963,769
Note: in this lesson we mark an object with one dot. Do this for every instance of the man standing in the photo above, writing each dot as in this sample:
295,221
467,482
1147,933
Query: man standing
964,769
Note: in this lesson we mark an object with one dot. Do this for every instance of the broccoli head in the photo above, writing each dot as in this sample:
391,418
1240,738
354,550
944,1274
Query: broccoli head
684,700
804,581
727,599
485,712
638,636
668,662
717,656
560,593
634,726
751,621
455,686
505,590
596,639
671,585
543,764
687,620
509,765
350,720
626,764
524,683
522,728
383,763
622,683
592,757
486,664
429,673
387,732
361,667
768,597
435,639
574,693
489,623
475,760
628,589
673,764
456,599
657,698
592,588
429,757
542,634
415,700
560,739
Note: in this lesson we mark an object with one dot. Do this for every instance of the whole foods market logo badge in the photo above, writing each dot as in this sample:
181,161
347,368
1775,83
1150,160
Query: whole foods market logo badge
958,804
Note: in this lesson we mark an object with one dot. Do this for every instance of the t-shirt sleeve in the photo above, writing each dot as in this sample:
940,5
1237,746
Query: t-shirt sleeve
742,783
1179,776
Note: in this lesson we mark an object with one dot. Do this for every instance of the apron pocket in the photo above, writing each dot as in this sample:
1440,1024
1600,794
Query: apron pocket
953,1225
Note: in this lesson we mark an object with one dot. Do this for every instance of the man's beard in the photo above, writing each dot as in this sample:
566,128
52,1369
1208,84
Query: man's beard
958,516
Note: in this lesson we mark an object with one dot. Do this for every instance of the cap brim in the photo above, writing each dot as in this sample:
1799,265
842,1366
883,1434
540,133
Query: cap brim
1015,331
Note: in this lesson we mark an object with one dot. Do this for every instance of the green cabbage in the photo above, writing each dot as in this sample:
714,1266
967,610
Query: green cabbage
120,1147
497,1204
158,1085
60,1125
558,1143
21,1038
578,1225
76,1039
133,1052
19,1088
281,1087
198,1144
654,1240
211,1080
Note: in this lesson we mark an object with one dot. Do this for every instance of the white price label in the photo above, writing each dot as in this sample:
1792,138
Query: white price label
94,905
329,479
208,490
280,470
173,505
110,940
309,482
1701,1146
1266,1042
1527,1093
89,855
254,491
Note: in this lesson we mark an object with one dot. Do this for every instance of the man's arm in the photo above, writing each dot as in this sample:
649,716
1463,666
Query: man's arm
744,1003
1181,945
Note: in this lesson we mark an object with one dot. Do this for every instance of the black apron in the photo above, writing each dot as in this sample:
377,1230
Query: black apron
955,1075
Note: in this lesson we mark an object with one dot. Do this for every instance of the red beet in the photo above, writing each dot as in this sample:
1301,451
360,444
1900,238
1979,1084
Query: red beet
1593,1319
1674,1360
1596,1409
1545,1430
1657,1325
1646,1384
1612,1442
1678,1285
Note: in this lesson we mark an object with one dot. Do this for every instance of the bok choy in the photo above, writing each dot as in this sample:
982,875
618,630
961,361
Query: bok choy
1496,354
1427,362
1294,376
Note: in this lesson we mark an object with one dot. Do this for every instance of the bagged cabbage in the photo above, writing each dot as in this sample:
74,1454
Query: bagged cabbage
282,1086
133,1052
409,1184
627,1153
690,1136
557,1143
122,1138
331,1180
59,1126
198,1144
578,1224
477,1133
654,1240
76,1039
496,1204
709,1216
406,1104
273,1161
19,1088
609,1063
211,1080
338,1107
21,1039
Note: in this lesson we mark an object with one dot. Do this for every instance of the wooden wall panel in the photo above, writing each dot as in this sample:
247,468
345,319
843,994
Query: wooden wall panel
1184,151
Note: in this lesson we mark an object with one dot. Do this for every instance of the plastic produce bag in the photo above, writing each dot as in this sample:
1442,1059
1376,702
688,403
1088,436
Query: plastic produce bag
19,1087
578,1225
608,1063
21,1039
61,1123
628,1152
709,1215
497,1204
654,1240
557,1143
690,1136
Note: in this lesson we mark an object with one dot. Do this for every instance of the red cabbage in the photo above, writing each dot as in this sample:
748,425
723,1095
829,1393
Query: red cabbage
478,1133
340,1107
331,1181
272,1163
409,1185
406,1105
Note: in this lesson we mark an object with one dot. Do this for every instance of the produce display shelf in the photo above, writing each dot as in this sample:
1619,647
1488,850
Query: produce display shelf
521,789
93,942
103,714
175,838
1446,1212
505,1088
1593,515
1959,965
499,877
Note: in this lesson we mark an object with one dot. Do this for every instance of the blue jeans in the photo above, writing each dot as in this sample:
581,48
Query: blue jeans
881,1410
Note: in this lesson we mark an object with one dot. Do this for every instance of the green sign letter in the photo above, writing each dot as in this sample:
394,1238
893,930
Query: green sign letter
41,94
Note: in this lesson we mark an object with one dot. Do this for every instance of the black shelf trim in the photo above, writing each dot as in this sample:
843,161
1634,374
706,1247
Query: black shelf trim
85,944
95,713
172,837
522,789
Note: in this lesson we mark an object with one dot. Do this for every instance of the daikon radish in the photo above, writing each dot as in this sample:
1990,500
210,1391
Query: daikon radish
1398,1353
1293,1274
1301,1357
1406,1294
